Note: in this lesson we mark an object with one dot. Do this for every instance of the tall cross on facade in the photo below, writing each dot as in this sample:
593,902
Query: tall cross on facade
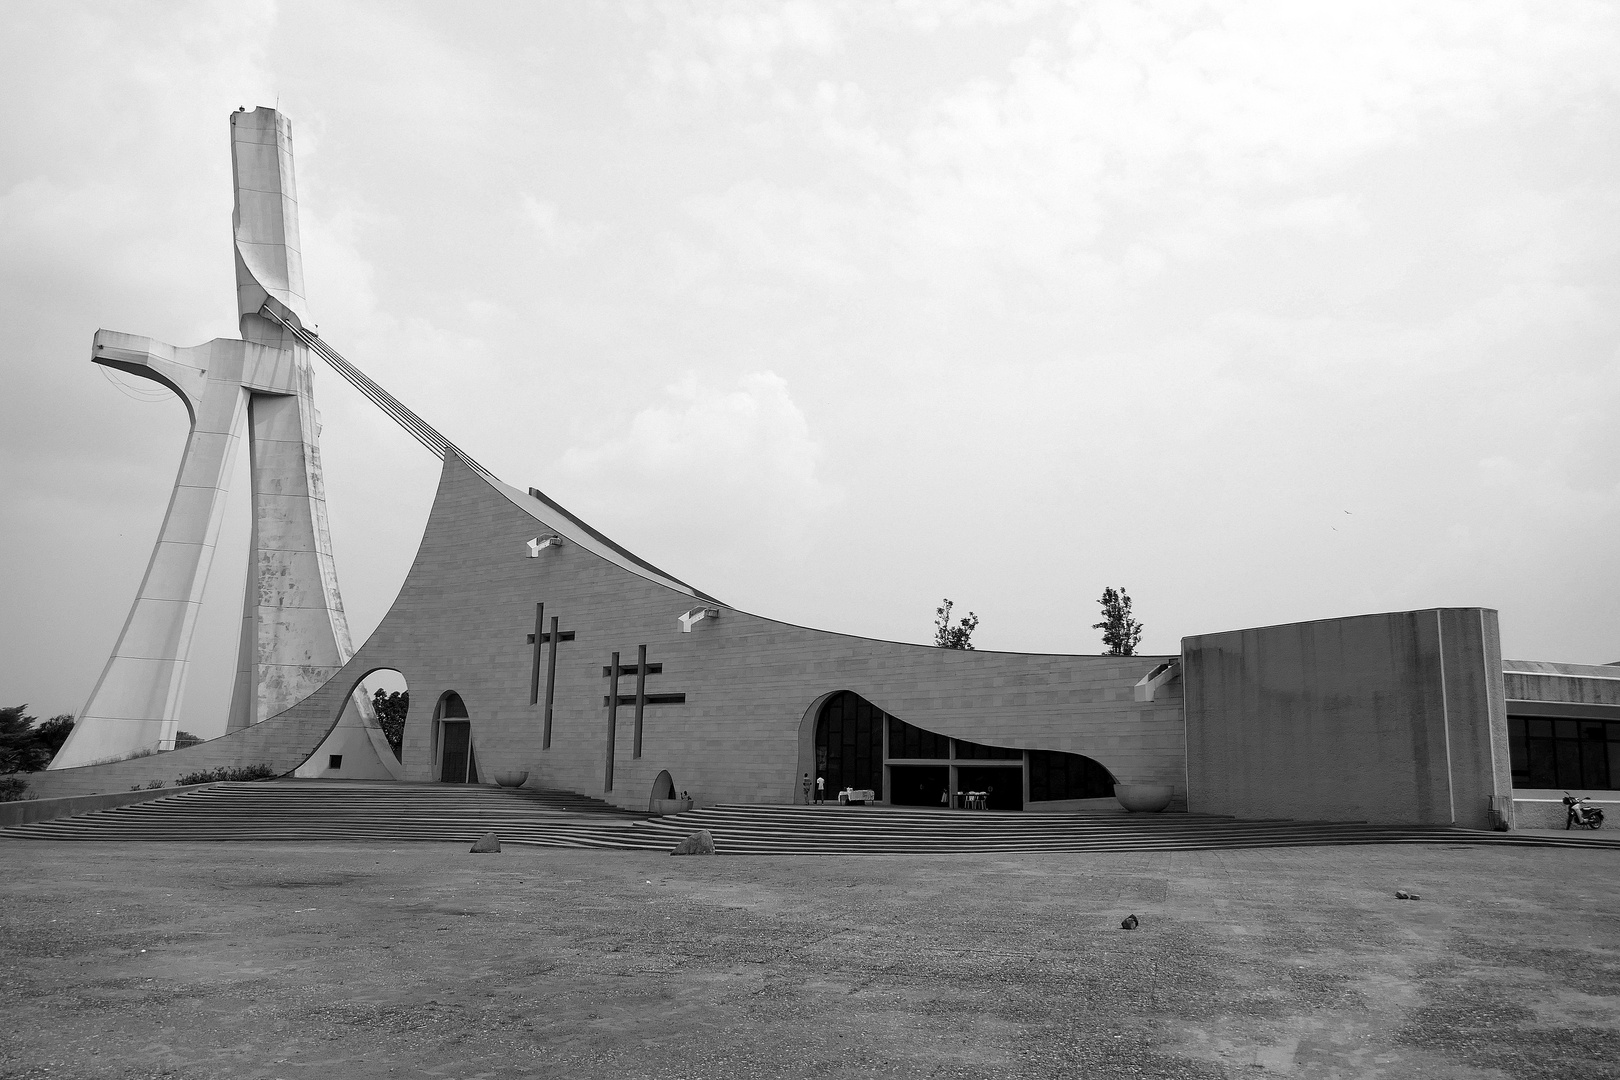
640,699
542,637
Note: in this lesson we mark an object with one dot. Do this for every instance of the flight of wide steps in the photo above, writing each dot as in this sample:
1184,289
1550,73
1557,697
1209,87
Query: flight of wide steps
381,812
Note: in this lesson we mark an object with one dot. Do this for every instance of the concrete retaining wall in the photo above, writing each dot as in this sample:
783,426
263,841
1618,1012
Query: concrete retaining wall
1395,718
282,743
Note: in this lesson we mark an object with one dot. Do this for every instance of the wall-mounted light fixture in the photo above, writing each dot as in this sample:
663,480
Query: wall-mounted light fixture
1148,685
696,614
540,543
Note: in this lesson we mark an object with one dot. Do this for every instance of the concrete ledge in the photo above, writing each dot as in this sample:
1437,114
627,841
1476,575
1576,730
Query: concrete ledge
31,810
1550,813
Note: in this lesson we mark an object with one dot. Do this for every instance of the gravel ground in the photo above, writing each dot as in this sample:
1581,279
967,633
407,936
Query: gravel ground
352,961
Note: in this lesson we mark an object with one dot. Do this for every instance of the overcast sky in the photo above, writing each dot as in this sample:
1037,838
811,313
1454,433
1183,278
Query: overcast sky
1266,312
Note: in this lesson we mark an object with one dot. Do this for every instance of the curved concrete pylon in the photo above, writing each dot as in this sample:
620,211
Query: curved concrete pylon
135,703
295,634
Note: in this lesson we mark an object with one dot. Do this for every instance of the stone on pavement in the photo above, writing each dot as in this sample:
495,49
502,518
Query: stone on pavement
699,843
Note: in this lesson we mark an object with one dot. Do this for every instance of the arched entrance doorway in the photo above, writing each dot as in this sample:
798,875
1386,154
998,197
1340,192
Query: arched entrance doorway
664,786
849,744
452,732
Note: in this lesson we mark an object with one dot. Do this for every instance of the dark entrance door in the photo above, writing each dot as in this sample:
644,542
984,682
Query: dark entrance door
1005,786
919,785
456,764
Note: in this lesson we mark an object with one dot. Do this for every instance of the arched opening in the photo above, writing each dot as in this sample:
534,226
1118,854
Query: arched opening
453,748
849,744
359,745
664,786
390,701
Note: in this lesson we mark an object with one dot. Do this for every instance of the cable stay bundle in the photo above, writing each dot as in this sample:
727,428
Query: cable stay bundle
419,429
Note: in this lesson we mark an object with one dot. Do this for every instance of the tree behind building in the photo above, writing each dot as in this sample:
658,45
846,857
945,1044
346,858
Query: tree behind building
1121,632
391,709
25,747
959,636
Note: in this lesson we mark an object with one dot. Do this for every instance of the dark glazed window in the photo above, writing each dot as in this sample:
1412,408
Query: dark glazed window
1560,753
979,752
906,741
1056,775
849,744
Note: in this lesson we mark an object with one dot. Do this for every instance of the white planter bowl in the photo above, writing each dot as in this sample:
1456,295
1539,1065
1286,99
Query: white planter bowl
514,778
1144,798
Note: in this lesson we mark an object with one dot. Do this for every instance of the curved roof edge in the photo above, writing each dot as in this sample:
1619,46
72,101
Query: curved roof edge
547,512
553,516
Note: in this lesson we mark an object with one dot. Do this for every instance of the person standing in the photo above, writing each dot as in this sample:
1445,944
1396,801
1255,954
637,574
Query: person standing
807,787
821,789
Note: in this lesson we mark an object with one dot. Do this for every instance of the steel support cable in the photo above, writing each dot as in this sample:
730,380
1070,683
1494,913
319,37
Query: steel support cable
413,424
419,429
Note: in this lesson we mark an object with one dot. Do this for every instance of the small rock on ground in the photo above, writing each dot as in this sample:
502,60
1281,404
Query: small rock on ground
488,842
699,843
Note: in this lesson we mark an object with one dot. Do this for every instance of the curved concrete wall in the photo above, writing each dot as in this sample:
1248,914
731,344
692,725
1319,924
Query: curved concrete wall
464,613
282,742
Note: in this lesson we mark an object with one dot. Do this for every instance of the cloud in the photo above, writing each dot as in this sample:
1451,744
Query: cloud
1116,128
735,47
561,235
727,468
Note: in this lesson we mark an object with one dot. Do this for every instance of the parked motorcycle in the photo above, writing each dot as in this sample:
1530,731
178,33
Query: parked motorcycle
1582,816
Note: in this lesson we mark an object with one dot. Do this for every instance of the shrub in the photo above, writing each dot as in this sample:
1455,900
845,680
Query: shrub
229,772
13,789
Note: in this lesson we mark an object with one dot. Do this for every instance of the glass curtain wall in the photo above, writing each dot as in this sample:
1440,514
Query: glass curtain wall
849,744
923,768
1554,752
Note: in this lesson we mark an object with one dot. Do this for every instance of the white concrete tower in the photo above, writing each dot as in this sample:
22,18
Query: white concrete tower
294,632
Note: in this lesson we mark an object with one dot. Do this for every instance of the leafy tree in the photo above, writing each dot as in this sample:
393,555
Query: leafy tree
947,636
25,747
391,710
1121,632
55,731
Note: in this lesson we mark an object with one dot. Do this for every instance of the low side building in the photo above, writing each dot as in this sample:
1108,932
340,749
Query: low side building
1563,723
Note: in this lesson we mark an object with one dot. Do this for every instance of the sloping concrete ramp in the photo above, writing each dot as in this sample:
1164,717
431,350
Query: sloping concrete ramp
320,811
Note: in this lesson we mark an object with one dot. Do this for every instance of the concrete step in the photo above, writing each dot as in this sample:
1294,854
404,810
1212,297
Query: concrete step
383,812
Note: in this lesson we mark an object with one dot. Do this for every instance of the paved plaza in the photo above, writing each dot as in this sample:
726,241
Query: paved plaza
351,960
